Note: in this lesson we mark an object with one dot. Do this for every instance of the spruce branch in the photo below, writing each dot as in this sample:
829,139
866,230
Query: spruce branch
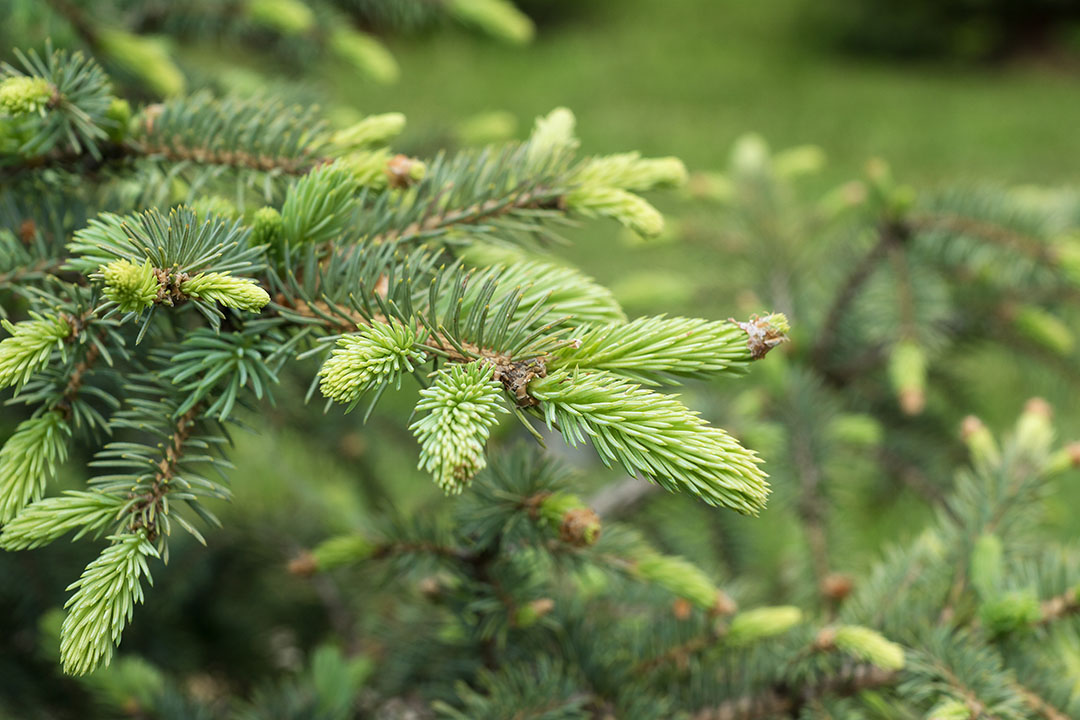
29,459
30,345
378,355
42,522
653,434
104,600
462,405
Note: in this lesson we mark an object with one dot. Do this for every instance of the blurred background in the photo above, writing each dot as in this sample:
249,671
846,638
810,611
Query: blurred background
816,100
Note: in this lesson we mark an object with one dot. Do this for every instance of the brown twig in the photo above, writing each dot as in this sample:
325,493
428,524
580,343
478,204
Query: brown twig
788,701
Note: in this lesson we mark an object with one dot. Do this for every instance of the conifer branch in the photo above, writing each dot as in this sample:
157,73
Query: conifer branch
788,701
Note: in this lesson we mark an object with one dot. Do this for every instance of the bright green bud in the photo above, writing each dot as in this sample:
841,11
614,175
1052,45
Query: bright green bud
486,128
22,95
29,347
29,459
552,136
629,171
950,710
576,523
1010,612
371,131
679,577
841,199
144,57
1066,252
528,614
233,292
366,54
856,429
712,186
802,160
462,406
1034,432
290,17
1067,458
907,375
119,118
342,550
368,167
378,354
266,227
981,443
750,156
104,600
751,626
132,287
1044,328
987,566
868,645
498,18
625,207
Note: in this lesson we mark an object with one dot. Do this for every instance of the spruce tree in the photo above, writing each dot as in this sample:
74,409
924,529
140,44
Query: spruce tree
166,268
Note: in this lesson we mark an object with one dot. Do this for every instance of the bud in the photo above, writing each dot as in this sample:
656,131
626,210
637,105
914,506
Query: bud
578,525
377,354
841,199
750,626
365,54
233,292
869,645
625,207
802,160
712,186
341,550
629,171
837,586
119,118
987,565
529,613
1010,612
682,609
764,333
486,128
950,710
981,444
403,171
907,374
1067,458
498,18
462,406
372,131
22,95
368,167
678,576
303,565
144,57
724,605
1066,254
132,287
1044,328
1034,432
289,17
552,136
266,227
750,156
